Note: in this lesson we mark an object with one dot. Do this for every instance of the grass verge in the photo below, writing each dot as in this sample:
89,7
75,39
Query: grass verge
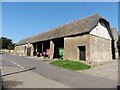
72,65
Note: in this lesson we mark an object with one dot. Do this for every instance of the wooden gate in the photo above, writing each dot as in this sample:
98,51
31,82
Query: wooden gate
28,51
82,53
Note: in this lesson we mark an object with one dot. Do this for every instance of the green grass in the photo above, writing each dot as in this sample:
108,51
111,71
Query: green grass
72,65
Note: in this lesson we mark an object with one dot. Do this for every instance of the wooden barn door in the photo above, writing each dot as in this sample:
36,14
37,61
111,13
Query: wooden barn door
82,53
28,51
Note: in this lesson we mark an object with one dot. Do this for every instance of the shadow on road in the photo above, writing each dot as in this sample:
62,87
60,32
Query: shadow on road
11,84
18,72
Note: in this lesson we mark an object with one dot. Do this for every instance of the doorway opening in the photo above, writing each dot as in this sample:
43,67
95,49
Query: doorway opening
42,48
28,51
113,50
46,49
58,48
82,53
37,48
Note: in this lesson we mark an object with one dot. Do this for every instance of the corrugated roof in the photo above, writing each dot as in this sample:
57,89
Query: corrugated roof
79,26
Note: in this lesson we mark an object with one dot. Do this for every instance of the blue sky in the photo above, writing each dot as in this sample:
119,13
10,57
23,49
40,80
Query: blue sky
23,19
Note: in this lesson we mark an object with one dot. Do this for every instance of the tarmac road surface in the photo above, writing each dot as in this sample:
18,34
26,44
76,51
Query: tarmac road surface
66,77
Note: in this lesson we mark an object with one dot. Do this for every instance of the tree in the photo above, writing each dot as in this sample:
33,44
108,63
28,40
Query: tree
6,43
10,47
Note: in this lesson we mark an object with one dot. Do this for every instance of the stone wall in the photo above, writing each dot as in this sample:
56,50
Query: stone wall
22,50
19,50
100,49
71,50
97,48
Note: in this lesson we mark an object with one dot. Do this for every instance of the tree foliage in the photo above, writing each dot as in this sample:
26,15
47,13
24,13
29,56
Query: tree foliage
6,43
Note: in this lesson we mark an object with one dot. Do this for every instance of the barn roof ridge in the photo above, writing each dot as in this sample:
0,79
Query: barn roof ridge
78,26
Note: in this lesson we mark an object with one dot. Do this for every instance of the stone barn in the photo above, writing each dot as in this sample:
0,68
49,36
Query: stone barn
86,39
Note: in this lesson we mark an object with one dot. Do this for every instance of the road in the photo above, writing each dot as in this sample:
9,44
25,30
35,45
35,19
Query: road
70,78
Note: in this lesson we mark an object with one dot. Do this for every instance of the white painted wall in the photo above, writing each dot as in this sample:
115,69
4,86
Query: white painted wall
101,31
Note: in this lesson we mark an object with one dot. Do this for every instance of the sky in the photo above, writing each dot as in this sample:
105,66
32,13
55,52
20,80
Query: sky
23,19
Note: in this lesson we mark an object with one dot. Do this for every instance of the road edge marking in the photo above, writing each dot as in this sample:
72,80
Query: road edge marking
17,64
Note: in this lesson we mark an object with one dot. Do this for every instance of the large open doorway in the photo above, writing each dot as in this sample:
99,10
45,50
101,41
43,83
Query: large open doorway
37,48
113,50
58,48
46,49
82,53
42,48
